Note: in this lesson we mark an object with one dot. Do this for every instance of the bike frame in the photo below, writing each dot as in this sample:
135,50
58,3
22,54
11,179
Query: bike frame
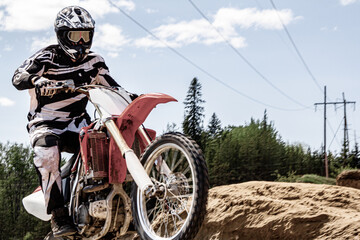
122,127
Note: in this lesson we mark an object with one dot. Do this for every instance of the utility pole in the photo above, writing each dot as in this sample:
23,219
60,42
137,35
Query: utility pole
346,130
346,136
325,152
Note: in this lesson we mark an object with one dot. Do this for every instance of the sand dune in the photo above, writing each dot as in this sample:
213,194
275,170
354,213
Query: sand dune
273,210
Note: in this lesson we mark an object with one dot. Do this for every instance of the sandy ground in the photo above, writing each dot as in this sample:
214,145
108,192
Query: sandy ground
273,210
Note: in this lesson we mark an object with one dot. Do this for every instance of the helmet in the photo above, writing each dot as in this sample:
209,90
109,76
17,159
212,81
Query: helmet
74,29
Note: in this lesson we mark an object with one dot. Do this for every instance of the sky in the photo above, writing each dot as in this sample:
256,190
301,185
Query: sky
250,56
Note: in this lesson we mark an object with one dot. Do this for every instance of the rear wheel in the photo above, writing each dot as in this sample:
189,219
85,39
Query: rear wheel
177,163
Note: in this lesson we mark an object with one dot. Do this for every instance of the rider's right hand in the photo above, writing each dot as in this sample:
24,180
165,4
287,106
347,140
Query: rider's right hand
41,84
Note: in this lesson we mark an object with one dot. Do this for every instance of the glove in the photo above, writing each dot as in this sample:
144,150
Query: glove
41,84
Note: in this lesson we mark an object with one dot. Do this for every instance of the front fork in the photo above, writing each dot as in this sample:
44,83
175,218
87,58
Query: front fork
133,164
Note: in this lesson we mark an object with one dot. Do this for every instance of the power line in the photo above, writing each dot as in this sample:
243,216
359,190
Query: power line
335,133
277,33
295,47
198,67
245,59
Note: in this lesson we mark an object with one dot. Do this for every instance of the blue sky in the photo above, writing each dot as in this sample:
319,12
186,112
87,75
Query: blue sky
272,76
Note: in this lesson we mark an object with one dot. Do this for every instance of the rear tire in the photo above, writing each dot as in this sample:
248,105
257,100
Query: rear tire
180,213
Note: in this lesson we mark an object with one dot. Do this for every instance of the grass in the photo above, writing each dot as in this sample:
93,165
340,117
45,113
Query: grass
307,178
312,178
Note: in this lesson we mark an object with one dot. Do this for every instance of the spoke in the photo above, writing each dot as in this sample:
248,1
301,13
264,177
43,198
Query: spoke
186,170
166,225
174,221
148,199
182,181
166,155
189,180
174,160
158,232
153,173
159,220
178,163
180,196
153,211
178,217
160,210
182,201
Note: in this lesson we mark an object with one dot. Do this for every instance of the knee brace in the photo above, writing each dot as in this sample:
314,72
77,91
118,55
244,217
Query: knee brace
47,160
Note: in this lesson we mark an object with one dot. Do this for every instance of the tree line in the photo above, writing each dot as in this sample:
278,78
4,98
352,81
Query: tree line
17,180
255,150
234,154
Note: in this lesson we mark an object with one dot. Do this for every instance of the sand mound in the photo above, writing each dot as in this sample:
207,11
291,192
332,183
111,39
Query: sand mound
273,210
349,178
268,210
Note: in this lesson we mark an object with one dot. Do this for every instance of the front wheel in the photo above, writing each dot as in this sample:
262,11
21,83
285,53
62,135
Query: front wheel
177,163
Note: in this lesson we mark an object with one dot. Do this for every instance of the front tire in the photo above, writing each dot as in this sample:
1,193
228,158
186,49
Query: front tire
180,213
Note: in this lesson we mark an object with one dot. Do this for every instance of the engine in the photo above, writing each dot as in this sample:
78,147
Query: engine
94,188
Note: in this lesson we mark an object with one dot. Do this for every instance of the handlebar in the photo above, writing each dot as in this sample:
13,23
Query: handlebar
66,84
58,86
69,85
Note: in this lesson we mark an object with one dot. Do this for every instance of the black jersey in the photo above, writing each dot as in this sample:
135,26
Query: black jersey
58,111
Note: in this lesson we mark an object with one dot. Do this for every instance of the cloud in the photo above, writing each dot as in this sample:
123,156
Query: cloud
150,11
109,38
5,102
227,21
184,33
347,2
127,4
16,14
38,43
8,48
329,29
229,18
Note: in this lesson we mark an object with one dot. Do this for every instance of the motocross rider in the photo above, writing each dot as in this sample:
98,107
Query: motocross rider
56,120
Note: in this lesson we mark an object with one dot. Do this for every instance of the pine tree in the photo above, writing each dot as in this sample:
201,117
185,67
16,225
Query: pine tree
214,127
18,179
194,112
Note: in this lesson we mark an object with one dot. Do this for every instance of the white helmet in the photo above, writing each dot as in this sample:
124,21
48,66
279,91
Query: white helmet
74,29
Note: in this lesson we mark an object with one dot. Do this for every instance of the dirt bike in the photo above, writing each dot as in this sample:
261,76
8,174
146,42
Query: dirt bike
123,178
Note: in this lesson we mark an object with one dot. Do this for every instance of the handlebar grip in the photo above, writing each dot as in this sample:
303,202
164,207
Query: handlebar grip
66,84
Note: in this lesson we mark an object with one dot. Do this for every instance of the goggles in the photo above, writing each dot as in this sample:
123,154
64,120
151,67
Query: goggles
75,36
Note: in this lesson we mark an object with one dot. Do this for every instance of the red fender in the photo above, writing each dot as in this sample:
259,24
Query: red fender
128,123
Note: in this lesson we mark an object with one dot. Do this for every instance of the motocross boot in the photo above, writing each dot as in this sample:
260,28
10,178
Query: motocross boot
61,223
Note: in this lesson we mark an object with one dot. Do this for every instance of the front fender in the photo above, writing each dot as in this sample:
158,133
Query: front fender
128,123
138,110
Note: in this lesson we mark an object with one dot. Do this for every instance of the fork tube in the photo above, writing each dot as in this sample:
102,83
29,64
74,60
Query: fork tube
133,164
142,131
162,166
